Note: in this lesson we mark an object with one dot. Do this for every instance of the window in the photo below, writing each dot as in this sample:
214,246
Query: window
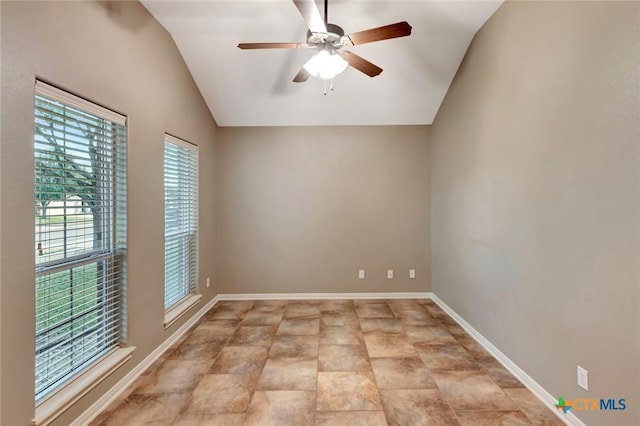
180,221
80,233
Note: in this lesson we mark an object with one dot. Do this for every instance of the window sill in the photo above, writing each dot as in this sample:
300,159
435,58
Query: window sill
52,407
173,314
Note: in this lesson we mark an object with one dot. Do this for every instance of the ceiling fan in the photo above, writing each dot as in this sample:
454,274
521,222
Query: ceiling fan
330,41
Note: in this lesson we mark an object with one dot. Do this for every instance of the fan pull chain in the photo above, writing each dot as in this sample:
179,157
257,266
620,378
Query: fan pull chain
324,80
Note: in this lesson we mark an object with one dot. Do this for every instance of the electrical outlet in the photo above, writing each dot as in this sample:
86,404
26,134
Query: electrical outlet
412,273
583,378
361,274
390,274
208,282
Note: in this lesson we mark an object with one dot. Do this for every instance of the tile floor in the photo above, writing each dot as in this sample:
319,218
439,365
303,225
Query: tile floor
327,362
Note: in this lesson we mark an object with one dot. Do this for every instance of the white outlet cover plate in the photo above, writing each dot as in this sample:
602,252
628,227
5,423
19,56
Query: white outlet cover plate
583,378
390,273
361,274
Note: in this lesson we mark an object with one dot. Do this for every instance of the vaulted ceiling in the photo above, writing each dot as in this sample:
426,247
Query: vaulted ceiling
255,88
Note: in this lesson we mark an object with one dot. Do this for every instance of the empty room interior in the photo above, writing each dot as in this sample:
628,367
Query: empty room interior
438,225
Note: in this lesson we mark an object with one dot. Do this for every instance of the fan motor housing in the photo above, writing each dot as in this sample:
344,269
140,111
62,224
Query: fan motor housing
332,37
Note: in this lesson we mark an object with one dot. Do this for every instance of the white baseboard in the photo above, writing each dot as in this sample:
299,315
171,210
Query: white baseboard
103,402
535,388
305,296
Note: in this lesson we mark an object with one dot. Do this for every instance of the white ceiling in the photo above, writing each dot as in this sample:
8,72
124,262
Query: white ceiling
255,88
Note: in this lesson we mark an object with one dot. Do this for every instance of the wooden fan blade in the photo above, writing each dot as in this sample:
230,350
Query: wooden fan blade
361,64
271,45
311,15
302,76
399,29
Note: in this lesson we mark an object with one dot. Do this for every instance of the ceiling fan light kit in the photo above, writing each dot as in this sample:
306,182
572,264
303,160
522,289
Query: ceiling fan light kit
326,64
329,39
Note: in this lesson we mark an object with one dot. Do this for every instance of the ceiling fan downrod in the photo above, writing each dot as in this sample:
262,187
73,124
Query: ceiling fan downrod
326,12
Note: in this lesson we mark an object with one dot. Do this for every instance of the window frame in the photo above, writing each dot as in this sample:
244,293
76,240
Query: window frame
191,297
58,396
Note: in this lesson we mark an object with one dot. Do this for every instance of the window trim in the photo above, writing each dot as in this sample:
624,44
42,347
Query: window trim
86,378
53,405
178,309
52,92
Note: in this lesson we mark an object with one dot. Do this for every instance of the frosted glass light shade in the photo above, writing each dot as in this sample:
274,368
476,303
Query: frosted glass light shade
326,64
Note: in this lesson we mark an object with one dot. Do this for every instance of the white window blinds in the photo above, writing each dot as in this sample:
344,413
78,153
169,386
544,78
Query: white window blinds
180,220
80,213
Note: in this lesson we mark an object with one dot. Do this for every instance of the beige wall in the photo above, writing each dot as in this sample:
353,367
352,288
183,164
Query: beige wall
302,209
536,195
116,54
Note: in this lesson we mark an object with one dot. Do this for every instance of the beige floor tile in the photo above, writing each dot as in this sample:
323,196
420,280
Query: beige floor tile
492,417
384,345
398,305
360,302
444,319
147,409
347,319
417,407
351,418
118,403
433,335
455,329
446,357
533,408
337,305
343,358
374,310
434,309
162,358
426,302
237,305
338,335
298,327
472,390
289,374
219,327
474,348
347,391
303,309
174,376
386,325
401,373
281,408
273,306
499,374
199,347
261,318
294,346
247,360
415,317
257,335
221,394
229,310
202,419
